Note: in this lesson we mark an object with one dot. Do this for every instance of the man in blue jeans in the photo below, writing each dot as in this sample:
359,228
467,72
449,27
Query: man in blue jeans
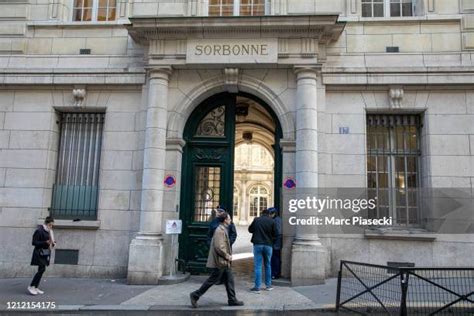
263,232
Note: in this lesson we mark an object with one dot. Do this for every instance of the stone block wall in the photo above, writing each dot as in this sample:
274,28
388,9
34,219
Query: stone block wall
29,135
447,161
447,134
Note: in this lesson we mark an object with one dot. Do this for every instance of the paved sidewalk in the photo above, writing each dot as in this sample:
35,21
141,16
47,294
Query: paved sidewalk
81,295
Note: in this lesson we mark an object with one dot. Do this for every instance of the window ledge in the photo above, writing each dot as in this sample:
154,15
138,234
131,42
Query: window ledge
420,18
68,223
398,234
116,23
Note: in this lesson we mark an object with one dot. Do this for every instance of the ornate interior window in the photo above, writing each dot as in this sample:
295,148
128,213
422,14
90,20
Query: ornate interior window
94,10
259,197
253,156
391,8
238,7
236,203
393,166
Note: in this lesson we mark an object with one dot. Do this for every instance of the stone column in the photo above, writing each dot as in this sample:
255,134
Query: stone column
309,256
145,264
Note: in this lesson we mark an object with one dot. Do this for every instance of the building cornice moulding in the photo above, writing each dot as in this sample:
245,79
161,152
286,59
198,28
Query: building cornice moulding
325,28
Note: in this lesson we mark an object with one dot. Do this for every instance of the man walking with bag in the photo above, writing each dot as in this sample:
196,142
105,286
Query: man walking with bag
219,261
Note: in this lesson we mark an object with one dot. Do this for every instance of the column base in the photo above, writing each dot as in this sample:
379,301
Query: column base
308,263
145,261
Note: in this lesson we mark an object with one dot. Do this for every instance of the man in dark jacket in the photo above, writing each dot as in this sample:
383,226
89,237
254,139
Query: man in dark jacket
43,240
219,262
232,231
276,254
263,235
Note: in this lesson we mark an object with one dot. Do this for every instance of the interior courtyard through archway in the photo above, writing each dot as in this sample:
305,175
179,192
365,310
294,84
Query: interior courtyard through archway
254,174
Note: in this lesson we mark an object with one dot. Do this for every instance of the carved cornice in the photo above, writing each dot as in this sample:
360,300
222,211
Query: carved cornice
323,28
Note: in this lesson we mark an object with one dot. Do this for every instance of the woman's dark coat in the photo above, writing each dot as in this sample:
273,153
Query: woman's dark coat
40,238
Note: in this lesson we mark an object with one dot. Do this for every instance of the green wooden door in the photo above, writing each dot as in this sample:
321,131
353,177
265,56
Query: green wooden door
207,175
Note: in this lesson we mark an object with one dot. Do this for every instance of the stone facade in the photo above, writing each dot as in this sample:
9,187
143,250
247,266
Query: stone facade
330,69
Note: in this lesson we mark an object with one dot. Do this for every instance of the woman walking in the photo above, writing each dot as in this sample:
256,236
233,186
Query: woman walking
43,240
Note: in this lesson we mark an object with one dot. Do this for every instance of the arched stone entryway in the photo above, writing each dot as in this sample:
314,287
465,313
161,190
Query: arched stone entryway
208,168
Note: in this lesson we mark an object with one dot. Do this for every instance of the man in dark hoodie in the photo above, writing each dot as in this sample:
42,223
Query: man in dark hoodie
232,231
43,240
263,231
276,254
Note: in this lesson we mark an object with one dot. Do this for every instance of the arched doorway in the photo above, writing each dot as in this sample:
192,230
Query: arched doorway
211,133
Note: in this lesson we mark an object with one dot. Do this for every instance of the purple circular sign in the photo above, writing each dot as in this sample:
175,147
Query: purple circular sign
170,181
289,183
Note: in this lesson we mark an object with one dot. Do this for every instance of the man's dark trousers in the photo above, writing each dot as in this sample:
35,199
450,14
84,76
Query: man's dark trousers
224,274
276,263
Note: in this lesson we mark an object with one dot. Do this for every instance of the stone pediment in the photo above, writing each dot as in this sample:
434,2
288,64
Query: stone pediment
236,40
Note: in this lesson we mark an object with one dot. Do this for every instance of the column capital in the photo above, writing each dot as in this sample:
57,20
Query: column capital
163,72
175,144
288,145
307,72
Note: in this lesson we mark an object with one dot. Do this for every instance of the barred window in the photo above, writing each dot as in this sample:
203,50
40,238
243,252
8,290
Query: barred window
94,10
393,166
75,193
258,200
238,7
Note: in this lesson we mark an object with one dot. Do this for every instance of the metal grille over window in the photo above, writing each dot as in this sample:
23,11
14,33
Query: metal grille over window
213,124
393,159
207,192
75,193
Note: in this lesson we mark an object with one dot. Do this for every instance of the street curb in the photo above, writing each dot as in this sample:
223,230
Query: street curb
177,309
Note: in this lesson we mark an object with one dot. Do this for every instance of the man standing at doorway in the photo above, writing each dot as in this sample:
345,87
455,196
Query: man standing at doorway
219,261
276,254
263,230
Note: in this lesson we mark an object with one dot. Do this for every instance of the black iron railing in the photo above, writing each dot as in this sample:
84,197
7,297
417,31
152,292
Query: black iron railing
385,290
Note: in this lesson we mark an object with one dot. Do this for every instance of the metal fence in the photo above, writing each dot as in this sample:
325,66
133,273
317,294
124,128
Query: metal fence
385,290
